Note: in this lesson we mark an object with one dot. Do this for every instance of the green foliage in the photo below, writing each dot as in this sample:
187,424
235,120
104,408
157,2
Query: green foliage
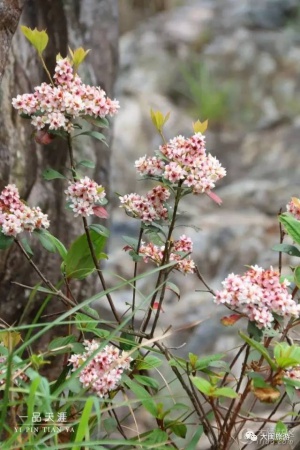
211,99
39,39
79,262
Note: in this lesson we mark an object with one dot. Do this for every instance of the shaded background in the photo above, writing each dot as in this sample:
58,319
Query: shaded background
236,63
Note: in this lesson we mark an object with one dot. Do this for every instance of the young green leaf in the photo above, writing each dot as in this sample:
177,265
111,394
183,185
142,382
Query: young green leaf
260,348
39,39
203,385
225,392
100,229
51,174
291,225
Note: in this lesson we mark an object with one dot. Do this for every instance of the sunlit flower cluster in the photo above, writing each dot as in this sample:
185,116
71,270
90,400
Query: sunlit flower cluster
16,217
84,196
54,106
103,372
149,208
179,251
184,160
258,294
293,207
16,375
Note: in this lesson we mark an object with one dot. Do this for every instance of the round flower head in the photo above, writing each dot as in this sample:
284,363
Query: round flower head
84,196
104,370
16,217
54,107
258,295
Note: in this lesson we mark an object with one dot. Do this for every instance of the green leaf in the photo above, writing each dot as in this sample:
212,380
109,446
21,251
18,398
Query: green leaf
61,342
281,430
192,445
127,341
291,250
100,229
110,425
91,311
291,225
26,246
79,262
202,363
45,240
97,122
5,241
39,39
143,396
132,242
260,348
179,429
87,163
156,437
85,323
202,385
147,381
297,276
172,287
254,331
291,382
78,56
83,426
225,392
94,134
149,362
51,174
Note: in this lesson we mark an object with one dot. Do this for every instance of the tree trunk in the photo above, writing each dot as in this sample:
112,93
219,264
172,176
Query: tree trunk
89,23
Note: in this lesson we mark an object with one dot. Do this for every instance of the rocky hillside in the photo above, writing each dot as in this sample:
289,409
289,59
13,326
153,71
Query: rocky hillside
237,62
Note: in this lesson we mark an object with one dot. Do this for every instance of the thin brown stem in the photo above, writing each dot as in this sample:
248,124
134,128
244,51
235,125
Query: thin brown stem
162,274
48,283
89,240
134,276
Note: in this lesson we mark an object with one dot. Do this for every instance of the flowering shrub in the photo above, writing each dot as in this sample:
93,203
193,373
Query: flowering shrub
109,378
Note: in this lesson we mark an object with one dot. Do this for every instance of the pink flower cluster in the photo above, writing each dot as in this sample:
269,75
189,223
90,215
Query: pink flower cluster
184,160
16,376
16,217
293,207
84,195
258,294
179,249
54,106
149,208
293,373
103,372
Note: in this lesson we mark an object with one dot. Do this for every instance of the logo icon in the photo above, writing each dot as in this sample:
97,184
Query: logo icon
248,435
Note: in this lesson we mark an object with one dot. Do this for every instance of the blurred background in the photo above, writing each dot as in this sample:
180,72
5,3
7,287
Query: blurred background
237,63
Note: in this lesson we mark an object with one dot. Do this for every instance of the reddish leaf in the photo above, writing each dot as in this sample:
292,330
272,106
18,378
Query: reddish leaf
228,321
101,212
43,137
214,197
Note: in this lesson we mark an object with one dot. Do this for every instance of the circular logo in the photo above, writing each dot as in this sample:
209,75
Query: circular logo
247,436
